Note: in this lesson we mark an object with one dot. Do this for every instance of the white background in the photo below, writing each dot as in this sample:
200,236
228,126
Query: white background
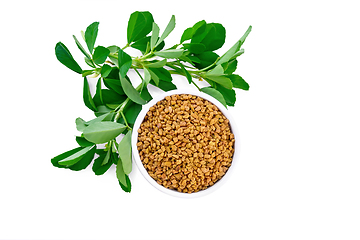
298,173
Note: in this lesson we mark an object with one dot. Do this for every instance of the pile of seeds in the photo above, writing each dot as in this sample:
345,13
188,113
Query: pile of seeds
185,143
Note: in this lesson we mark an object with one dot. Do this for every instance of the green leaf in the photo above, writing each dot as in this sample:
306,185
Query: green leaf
75,157
104,117
154,77
113,48
142,44
214,93
230,66
98,168
114,84
87,72
131,92
162,74
218,70
220,79
187,74
195,48
124,151
145,94
112,98
122,177
139,25
206,59
189,32
55,160
107,158
124,61
102,132
114,74
127,187
65,57
169,28
238,53
80,124
84,161
83,142
239,82
234,49
154,35
81,48
164,85
157,64
87,96
147,76
105,70
102,109
132,113
171,53
229,95
98,98
213,37
89,62
100,54
91,35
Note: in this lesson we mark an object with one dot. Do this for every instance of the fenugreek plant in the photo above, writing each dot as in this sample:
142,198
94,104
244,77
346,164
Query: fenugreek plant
116,102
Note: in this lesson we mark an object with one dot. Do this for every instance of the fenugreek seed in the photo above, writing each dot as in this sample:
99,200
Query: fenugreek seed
185,143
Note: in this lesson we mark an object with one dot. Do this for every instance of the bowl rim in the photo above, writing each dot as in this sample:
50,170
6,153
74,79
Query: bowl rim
140,166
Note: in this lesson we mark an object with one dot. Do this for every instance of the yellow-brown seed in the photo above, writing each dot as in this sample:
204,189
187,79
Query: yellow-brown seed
185,143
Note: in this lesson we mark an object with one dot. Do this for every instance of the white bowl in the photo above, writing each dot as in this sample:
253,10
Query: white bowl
134,140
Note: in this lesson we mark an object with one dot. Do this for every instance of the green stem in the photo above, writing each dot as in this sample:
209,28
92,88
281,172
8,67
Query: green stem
142,80
127,45
196,85
127,125
211,65
179,71
120,109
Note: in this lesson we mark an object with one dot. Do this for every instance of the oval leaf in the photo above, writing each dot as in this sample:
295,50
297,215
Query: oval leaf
132,113
114,84
157,64
122,177
239,82
214,93
139,25
65,57
228,94
102,132
154,35
55,160
131,92
88,101
205,59
220,79
234,49
75,157
83,142
169,28
98,168
81,48
90,35
171,53
124,150
80,124
100,54
124,61
213,37
84,161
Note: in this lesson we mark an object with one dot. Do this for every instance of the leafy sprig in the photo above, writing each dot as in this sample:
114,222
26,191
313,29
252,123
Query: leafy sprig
116,102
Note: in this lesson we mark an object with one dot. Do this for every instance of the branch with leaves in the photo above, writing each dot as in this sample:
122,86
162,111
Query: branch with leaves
117,103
